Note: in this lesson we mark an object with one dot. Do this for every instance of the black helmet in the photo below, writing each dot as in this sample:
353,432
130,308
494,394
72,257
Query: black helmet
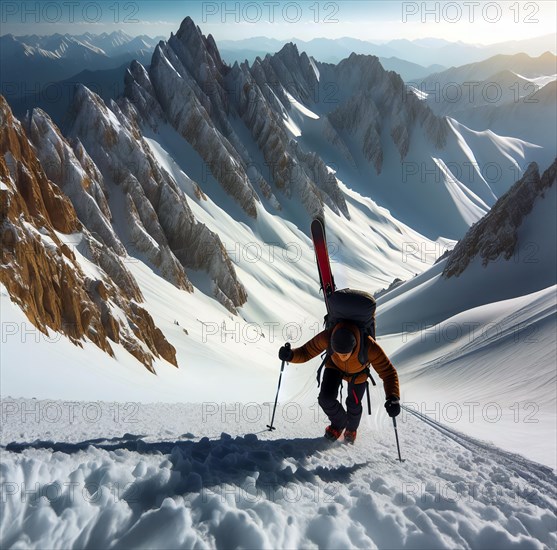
343,341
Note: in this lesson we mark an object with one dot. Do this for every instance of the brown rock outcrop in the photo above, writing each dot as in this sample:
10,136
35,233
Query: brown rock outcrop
44,276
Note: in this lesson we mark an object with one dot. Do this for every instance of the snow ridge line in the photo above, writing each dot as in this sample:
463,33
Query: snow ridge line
507,330
541,477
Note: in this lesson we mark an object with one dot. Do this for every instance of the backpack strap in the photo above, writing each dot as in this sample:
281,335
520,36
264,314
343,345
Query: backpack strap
365,371
362,352
368,398
368,373
366,360
320,369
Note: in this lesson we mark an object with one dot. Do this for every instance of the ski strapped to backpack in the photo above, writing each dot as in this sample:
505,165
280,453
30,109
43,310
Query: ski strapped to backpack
348,305
322,257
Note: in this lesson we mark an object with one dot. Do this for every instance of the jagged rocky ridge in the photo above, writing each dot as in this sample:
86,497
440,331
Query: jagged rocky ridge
495,235
375,105
159,221
189,87
42,272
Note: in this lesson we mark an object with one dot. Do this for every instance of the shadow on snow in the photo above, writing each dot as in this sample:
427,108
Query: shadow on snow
247,465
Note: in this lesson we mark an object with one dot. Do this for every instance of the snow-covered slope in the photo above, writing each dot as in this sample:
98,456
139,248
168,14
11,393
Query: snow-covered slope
505,87
274,260
533,118
479,327
490,372
171,179
169,229
164,477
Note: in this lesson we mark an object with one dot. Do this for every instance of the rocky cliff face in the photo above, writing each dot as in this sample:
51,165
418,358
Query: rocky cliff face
45,246
75,174
189,87
373,105
159,222
495,235
263,104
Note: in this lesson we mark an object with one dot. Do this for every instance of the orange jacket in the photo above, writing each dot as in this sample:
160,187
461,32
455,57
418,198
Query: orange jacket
376,356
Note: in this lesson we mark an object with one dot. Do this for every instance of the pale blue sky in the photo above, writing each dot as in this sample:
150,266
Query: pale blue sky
479,21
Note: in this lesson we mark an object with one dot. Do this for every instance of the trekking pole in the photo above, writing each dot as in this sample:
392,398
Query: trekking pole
287,345
397,443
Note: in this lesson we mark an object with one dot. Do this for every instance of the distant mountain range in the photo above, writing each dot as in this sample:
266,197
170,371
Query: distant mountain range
494,82
522,64
423,52
506,94
58,45
31,62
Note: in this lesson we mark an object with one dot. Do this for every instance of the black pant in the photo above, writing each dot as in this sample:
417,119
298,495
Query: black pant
340,418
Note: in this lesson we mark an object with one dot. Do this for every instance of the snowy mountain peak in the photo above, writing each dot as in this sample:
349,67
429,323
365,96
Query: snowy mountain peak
190,88
289,50
120,34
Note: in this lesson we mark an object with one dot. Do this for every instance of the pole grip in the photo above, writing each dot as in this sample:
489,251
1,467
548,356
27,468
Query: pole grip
270,426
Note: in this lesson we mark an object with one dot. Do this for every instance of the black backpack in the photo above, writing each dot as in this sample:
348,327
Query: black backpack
357,307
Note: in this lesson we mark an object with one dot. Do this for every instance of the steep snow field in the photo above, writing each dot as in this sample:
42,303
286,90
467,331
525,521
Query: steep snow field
109,475
490,371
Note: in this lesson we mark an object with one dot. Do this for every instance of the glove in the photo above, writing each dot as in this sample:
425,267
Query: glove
286,354
393,406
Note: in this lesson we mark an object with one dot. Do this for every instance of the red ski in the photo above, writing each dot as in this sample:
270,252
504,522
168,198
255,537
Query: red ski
322,256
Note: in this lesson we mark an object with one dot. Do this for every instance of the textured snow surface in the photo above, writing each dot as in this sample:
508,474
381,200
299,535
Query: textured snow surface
164,476
490,371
